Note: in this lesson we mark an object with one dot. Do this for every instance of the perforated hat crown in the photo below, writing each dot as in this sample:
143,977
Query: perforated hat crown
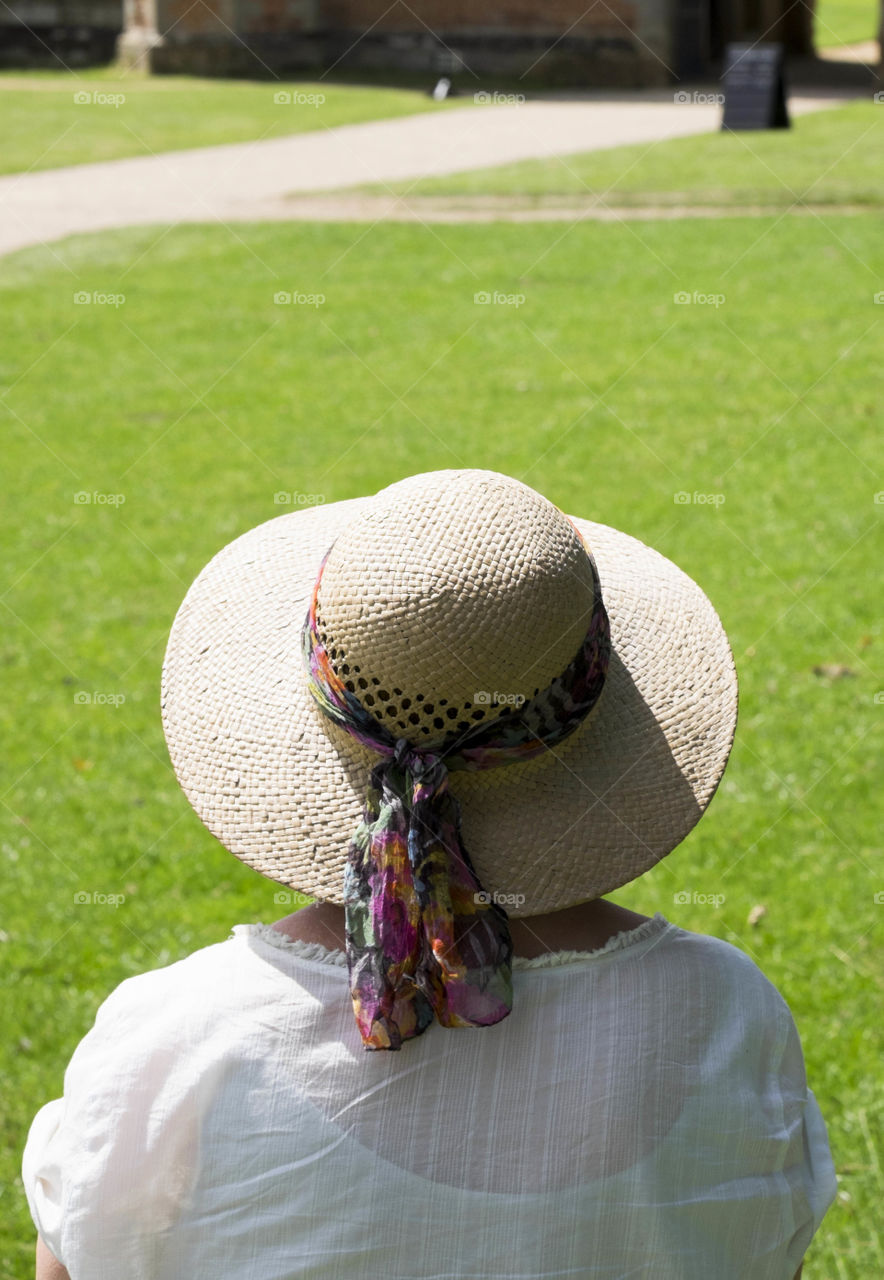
444,613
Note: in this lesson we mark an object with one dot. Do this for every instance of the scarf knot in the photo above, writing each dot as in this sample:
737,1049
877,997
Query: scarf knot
424,940
412,761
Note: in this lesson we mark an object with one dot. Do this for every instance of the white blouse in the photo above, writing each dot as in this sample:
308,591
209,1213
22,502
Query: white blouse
642,1112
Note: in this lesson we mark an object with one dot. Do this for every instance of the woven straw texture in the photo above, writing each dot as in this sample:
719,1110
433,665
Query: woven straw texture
446,598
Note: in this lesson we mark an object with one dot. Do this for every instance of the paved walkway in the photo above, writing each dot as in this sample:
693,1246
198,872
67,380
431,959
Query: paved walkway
868,52
249,180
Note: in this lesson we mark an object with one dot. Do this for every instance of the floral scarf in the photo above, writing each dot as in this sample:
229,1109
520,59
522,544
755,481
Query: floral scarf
424,939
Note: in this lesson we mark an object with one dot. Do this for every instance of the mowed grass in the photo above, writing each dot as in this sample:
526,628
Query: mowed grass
845,22
53,118
828,157
738,433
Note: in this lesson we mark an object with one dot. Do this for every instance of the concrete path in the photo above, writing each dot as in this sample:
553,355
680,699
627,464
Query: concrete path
248,180
868,52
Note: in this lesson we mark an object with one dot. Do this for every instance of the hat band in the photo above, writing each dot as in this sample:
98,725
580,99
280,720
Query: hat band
423,938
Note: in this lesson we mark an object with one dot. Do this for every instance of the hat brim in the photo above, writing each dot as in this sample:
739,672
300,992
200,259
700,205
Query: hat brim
282,788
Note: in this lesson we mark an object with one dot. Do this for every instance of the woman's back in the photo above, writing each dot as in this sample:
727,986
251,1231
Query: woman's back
642,1112
423,707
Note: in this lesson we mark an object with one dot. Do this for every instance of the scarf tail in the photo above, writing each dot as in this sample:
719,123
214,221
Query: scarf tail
423,938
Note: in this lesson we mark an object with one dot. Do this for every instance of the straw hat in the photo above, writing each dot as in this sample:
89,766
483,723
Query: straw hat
449,597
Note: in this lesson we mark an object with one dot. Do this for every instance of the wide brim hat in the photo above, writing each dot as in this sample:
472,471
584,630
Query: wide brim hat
445,598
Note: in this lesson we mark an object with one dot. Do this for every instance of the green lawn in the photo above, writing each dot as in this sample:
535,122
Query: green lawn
829,157
43,125
845,22
197,399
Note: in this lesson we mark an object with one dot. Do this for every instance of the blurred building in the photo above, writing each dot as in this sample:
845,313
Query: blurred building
41,32
617,43
583,43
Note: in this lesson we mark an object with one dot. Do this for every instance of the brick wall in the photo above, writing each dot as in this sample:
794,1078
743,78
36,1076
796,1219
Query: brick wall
622,43
80,32
278,15
536,17
578,42
581,42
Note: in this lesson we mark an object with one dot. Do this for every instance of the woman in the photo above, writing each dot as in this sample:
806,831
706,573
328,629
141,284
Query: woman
490,717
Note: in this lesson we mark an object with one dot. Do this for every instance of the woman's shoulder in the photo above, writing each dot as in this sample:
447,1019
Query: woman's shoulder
711,948
193,989
724,974
163,1028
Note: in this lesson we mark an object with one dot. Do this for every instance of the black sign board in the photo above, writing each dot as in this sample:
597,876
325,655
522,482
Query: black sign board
754,87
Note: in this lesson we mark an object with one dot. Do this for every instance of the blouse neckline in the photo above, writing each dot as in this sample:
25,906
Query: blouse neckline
317,953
